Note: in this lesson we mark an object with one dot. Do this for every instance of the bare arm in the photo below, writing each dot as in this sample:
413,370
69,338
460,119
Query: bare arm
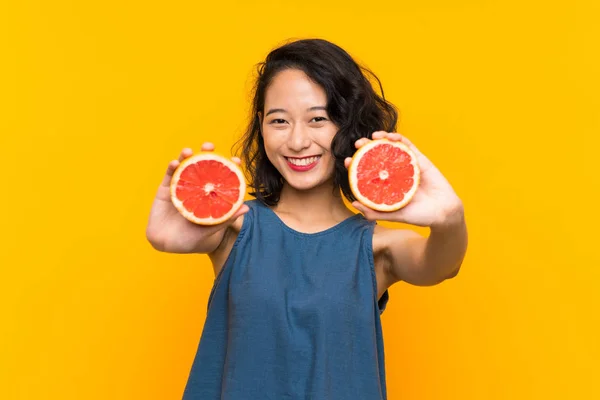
426,261
408,256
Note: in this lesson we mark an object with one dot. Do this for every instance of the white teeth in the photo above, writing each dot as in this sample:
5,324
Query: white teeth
303,161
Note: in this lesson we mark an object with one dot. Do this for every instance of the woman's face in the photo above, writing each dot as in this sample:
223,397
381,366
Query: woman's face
297,131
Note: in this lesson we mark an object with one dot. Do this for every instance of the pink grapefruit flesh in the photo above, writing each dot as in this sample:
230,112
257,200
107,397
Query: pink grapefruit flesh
207,189
384,175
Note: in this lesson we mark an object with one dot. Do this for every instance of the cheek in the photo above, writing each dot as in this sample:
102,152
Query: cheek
327,139
267,137
270,145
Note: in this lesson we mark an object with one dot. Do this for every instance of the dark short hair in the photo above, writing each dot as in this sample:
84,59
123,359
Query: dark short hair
352,104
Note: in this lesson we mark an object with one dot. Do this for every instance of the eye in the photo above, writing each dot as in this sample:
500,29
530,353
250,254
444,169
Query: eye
277,121
318,119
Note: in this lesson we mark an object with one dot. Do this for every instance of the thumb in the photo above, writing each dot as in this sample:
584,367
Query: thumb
374,215
241,211
211,229
369,213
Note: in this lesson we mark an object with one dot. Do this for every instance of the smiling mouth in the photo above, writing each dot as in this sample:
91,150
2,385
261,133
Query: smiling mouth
303,162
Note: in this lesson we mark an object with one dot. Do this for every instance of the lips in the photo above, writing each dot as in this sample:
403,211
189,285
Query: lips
302,163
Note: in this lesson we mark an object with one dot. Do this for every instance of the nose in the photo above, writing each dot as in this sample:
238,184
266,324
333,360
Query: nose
299,138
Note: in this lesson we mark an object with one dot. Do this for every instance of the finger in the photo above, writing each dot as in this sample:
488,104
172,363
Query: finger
169,174
172,167
396,136
214,228
379,134
236,160
208,146
185,153
361,142
403,139
366,211
411,146
369,213
347,162
359,206
241,211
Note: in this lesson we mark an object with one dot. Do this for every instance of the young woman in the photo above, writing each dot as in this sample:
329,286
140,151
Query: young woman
300,279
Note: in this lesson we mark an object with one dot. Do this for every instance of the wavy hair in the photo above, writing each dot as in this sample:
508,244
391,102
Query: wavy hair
352,104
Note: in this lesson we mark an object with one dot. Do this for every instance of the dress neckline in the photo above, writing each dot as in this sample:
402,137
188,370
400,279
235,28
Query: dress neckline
326,231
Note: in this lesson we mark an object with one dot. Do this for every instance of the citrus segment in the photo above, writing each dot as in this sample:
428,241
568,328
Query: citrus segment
384,175
207,189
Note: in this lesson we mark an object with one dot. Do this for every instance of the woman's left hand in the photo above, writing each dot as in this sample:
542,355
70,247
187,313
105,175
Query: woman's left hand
434,204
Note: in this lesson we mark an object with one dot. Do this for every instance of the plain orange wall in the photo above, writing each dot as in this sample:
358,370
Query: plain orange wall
97,97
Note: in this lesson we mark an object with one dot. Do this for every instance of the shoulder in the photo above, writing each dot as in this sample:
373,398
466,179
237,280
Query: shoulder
230,236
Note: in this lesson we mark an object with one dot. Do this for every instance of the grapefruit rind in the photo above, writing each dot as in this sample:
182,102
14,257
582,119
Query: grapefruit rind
353,179
189,215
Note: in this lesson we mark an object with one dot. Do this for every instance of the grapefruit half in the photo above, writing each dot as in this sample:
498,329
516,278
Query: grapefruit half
384,175
207,189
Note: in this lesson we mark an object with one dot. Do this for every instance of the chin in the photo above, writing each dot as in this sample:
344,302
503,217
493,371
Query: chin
308,183
303,186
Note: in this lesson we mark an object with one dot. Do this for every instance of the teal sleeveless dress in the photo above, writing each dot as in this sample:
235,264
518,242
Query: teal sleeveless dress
293,316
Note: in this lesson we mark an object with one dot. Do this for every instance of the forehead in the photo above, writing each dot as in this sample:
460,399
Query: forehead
292,88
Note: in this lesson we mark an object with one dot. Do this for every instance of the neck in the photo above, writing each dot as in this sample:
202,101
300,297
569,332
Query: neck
320,203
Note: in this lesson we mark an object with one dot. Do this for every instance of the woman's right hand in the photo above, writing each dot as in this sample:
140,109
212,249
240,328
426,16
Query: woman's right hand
170,232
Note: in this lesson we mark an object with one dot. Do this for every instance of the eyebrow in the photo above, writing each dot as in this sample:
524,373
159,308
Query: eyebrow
275,110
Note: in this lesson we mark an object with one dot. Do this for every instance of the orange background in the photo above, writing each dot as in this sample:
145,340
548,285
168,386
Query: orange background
98,97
